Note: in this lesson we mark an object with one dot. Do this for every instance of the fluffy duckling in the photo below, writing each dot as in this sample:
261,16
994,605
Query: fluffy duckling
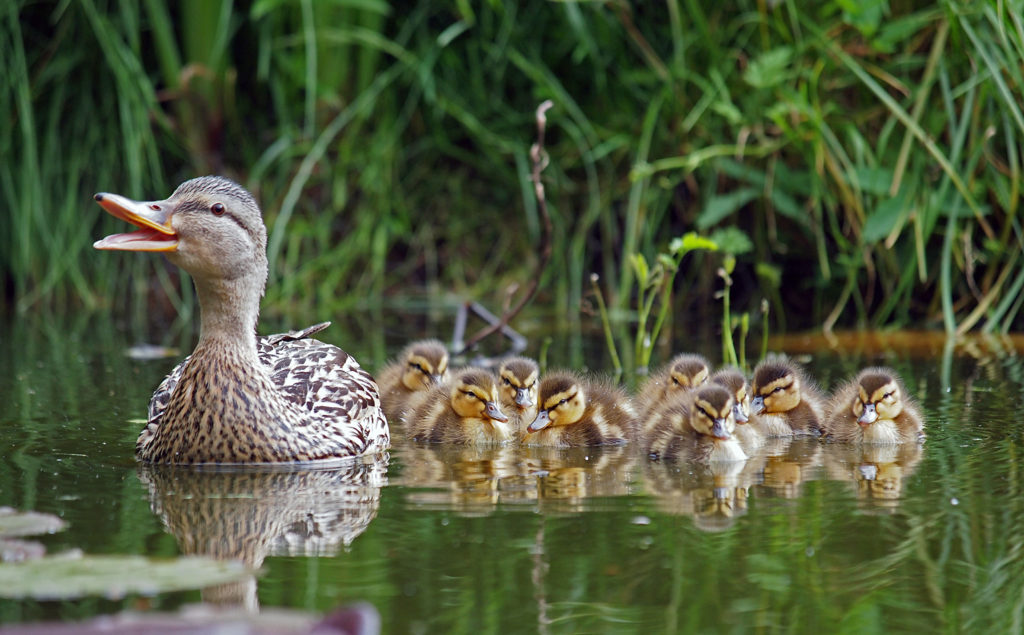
575,411
746,432
419,366
874,407
517,389
463,411
786,402
683,372
697,427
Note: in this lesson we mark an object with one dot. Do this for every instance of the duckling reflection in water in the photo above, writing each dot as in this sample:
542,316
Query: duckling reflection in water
697,427
576,411
683,373
420,366
463,411
874,407
713,494
878,472
518,379
786,402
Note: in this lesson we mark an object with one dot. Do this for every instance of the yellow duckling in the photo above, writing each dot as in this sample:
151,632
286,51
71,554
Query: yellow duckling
786,402
463,411
517,389
746,432
697,427
683,372
419,366
575,411
874,408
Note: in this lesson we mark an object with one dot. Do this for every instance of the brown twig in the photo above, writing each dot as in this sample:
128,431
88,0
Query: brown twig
539,159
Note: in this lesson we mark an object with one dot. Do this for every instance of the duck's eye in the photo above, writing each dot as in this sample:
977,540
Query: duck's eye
675,381
887,395
507,382
777,389
218,209
418,367
564,401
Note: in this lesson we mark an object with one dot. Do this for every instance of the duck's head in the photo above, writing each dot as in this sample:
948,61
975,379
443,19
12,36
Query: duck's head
878,397
562,402
517,382
426,364
735,382
688,371
474,395
210,226
712,413
776,388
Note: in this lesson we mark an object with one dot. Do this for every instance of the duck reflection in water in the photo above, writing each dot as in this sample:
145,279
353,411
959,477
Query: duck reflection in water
714,495
247,514
788,463
877,472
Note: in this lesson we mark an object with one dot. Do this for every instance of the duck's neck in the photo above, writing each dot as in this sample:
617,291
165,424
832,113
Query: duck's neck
229,310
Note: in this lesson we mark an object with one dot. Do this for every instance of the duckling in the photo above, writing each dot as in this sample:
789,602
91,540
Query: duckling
577,411
517,388
419,366
746,432
237,399
463,411
874,407
683,372
697,427
786,402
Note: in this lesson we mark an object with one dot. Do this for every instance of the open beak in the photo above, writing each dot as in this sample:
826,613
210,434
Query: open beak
523,399
494,412
718,429
152,218
541,422
869,416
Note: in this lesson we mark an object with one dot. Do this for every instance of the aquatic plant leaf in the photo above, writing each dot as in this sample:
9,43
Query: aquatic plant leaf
770,68
690,241
14,523
882,221
732,240
66,577
720,207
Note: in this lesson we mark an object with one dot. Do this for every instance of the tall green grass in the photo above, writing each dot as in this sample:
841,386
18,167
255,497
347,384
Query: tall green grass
870,154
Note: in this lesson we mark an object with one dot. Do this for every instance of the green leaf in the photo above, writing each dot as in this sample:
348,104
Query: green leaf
691,241
640,266
873,180
769,68
883,219
66,577
732,240
721,206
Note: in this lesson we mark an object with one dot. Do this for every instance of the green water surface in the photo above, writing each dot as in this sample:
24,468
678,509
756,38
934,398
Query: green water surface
807,537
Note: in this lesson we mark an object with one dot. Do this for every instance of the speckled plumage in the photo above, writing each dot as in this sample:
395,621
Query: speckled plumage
685,428
239,399
580,411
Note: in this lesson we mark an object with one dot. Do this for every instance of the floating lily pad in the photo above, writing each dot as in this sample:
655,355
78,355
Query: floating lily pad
67,577
14,523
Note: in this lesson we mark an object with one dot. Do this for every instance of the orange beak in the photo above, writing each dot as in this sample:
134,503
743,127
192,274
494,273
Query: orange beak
152,218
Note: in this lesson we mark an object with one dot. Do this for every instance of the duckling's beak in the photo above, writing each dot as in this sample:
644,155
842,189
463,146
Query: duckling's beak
540,422
757,405
523,399
741,417
718,429
494,412
153,218
869,416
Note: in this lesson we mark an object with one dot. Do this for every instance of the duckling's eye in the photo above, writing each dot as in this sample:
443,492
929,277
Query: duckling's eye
564,401
777,390
470,394
507,382
218,209
887,395
676,381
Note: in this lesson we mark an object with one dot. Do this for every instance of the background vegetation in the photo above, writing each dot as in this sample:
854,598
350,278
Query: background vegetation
866,154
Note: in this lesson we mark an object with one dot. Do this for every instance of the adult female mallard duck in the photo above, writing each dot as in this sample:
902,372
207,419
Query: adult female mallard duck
746,432
419,366
697,427
684,372
786,402
576,411
874,407
238,399
463,411
517,388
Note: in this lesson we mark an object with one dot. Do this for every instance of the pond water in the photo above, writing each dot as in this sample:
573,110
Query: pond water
806,536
